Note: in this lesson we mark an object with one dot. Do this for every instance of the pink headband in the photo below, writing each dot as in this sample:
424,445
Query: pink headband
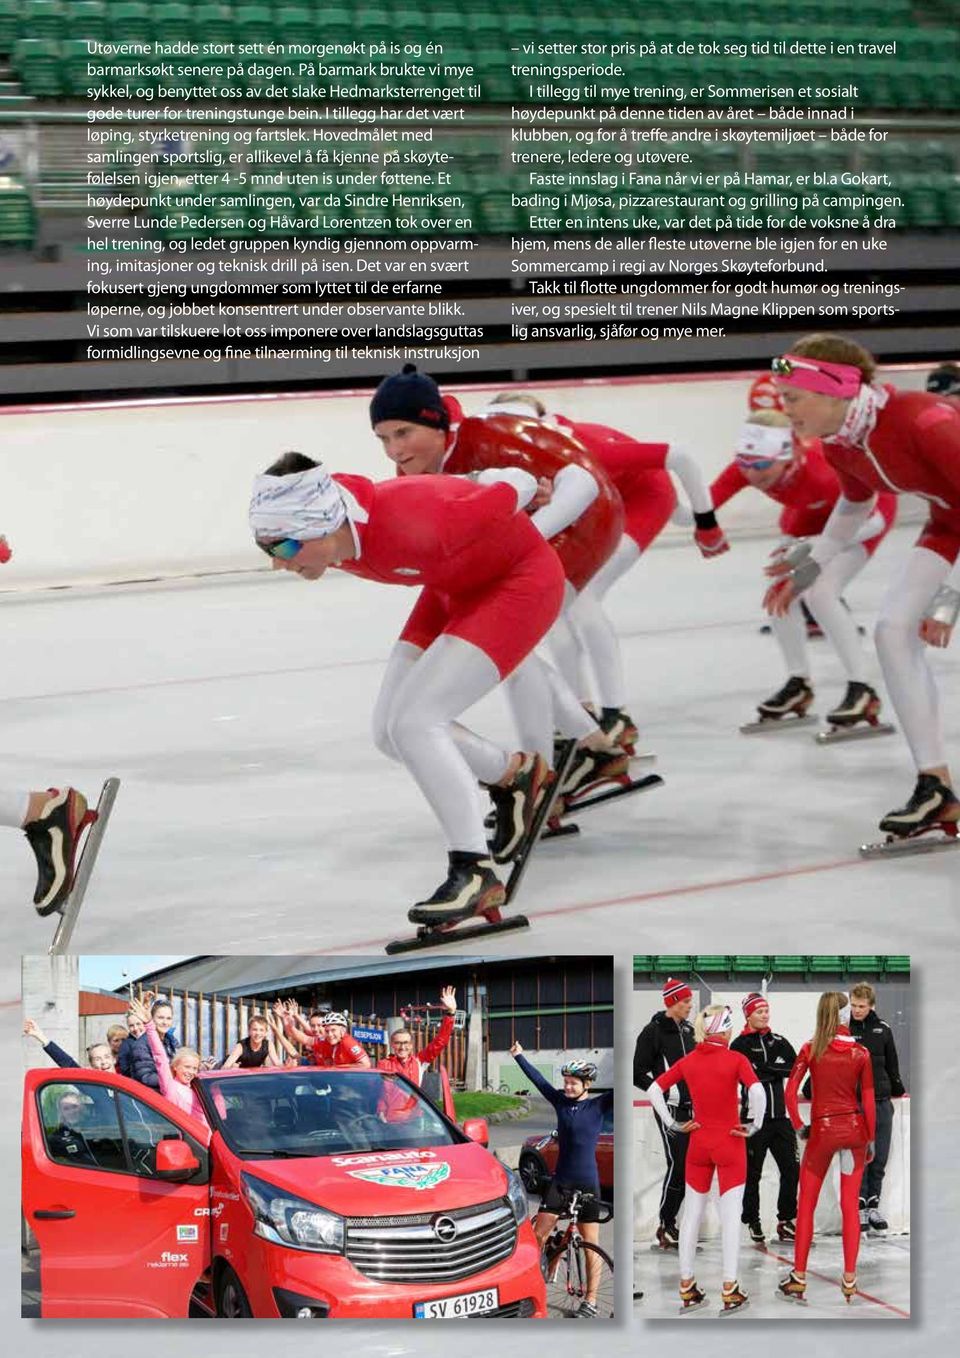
816,374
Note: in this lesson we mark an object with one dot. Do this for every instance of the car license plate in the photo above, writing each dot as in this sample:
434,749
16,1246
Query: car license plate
459,1307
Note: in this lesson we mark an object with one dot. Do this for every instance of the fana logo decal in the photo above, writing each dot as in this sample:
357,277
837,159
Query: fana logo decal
185,1234
404,1176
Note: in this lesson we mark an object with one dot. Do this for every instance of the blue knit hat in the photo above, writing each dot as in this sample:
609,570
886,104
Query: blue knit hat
410,396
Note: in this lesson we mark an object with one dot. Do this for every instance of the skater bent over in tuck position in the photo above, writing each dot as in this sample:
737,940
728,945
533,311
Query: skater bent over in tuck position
878,439
797,476
665,1040
714,1075
772,1058
577,509
491,587
842,1119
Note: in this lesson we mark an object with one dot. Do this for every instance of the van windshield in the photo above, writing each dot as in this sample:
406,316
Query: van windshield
309,1112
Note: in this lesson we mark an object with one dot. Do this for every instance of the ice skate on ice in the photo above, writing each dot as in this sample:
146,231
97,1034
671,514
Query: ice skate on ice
793,1289
848,1286
596,777
515,806
734,1299
65,839
691,1298
933,810
856,717
785,710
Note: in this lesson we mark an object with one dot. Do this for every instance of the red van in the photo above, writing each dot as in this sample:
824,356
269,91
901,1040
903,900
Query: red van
312,1193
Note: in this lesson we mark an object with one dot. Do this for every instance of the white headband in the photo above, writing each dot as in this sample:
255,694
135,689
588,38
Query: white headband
764,443
509,408
304,505
719,1023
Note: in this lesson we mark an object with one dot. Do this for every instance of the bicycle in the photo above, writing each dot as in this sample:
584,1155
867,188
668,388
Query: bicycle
565,1256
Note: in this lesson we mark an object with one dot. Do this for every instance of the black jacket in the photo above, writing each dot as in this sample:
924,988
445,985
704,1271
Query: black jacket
877,1036
142,1065
660,1045
772,1058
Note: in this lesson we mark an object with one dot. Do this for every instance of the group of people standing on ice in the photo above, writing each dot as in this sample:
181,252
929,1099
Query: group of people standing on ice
723,1100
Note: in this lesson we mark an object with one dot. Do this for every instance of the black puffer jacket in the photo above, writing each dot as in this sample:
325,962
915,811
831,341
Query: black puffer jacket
871,1032
660,1045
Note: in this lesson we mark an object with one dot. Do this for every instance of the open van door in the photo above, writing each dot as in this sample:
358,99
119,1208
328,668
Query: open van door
116,1190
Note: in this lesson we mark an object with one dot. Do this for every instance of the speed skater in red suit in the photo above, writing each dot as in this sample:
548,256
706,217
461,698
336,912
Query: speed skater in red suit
879,440
584,641
843,1119
714,1075
490,589
796,475
576,508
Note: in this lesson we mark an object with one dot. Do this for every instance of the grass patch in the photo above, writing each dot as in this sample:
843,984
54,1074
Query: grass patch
470,1104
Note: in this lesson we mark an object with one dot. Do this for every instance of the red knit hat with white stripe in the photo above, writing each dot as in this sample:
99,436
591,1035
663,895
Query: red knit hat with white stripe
753,1001
675,992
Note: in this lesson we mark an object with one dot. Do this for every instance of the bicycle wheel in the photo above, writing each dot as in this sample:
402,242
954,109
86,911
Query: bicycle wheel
566,1275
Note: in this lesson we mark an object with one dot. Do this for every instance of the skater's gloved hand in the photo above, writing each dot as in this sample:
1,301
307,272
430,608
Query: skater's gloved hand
937,624
5,552
871,1151
686,1127
709,535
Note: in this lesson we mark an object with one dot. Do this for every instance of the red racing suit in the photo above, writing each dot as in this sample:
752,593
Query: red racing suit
637,470
808,491
713,1074
914,448
347,1052
486,574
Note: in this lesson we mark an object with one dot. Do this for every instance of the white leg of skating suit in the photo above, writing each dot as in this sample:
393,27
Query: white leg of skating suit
421,694
690,1218
539,700
731,1204
791,634
595,630
839,627
563,643
904,657
14,804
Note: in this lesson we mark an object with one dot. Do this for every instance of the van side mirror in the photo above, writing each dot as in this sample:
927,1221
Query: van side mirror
476,1129
176,1162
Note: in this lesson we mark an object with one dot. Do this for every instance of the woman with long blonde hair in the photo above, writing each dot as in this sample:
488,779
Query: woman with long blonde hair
842,1119
713,1074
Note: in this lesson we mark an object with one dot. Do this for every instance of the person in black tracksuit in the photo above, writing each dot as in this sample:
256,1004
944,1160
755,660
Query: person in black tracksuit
772,1057
871,1032
666,1038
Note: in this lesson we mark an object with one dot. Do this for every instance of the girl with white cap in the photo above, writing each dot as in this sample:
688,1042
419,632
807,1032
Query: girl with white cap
491,587
713,1074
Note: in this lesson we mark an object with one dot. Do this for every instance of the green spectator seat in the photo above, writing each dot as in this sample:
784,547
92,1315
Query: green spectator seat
37,63
673,963
86,19
826,963
863,962
294,25
253,23
74,60
788,962
212,23
711,962
18,220
130,21
9,24
42,19
750,962
896,965
642,963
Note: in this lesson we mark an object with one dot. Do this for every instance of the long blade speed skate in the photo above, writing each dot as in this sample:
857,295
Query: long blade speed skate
933,809
785,710
70,909
574,805
856,717
491,921
834,735
904,845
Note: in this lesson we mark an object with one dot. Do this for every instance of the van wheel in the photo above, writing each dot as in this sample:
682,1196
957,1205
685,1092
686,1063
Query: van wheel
231,1299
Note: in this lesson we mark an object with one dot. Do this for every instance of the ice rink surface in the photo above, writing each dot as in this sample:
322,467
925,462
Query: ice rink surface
883,1274
255,810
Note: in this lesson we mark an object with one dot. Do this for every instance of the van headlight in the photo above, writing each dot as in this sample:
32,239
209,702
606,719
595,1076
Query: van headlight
286,1220
517,1196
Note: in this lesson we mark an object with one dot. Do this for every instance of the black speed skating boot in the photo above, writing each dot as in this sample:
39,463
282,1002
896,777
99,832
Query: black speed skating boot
931,805
590,768
618,724
515,806
791,700
859,703
53,837
471,888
